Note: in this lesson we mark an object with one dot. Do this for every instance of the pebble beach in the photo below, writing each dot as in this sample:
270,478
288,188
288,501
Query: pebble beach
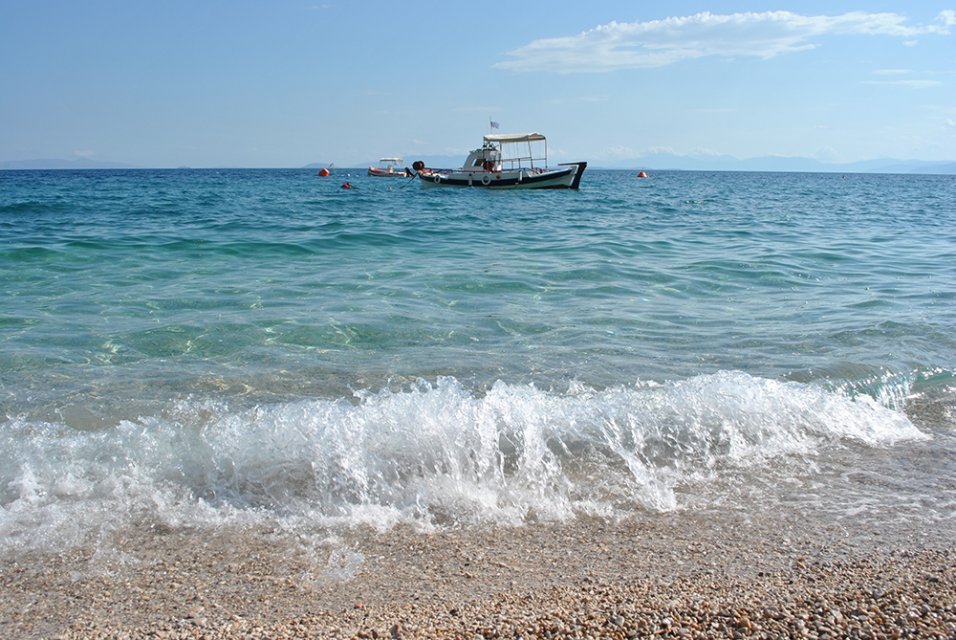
681,575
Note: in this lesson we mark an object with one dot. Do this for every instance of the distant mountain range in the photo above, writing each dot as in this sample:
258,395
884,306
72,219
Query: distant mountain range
659,161
779,163
669,161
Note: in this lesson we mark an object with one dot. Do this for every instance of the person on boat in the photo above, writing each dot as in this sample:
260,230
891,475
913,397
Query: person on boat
420,167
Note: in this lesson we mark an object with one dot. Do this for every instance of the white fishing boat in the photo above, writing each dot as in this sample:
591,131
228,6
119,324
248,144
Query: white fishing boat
506,161
386,169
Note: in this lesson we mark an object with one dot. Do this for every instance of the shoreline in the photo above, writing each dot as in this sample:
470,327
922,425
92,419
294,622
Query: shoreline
680,575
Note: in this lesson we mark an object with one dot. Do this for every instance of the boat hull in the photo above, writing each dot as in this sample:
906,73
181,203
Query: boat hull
384,173
566,177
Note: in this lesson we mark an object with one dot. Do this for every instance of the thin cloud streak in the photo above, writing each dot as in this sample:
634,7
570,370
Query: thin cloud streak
659,43
913,84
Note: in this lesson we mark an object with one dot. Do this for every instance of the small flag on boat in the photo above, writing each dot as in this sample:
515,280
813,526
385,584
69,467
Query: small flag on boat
494,125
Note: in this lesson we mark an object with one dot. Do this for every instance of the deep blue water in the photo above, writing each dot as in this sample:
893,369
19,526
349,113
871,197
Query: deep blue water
198,346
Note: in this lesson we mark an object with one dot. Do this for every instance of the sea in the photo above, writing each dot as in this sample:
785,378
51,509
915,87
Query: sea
198,349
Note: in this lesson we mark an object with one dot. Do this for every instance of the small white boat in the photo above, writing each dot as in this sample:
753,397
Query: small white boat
506,161
387,169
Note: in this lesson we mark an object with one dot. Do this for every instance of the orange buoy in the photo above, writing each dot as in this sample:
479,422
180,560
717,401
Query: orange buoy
641,174
323,172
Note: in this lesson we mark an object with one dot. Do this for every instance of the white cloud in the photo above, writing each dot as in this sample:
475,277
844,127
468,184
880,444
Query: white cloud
706,151
912,84
658,43
652,150
619,152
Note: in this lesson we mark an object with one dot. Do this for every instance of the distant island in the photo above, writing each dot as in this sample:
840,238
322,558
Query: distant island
655,161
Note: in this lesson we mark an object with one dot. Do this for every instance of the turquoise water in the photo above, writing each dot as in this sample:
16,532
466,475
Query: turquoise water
194,347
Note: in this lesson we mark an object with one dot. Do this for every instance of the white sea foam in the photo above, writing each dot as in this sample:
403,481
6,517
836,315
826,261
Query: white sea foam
434,454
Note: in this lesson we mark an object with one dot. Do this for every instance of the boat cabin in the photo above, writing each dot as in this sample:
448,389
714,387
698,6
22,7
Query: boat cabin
509,152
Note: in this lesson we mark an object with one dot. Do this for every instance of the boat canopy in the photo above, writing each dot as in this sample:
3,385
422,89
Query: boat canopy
514,137
390,160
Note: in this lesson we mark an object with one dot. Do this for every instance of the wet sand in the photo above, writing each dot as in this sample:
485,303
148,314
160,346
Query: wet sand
677,575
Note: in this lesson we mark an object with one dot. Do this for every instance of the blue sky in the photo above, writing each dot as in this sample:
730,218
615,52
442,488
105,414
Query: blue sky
243,83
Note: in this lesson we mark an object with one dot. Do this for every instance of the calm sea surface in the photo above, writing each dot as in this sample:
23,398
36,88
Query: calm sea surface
198,348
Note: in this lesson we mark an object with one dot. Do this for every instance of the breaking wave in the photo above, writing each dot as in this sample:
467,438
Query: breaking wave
434,454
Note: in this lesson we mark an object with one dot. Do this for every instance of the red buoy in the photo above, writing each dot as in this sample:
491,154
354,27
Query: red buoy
323,172
641,174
